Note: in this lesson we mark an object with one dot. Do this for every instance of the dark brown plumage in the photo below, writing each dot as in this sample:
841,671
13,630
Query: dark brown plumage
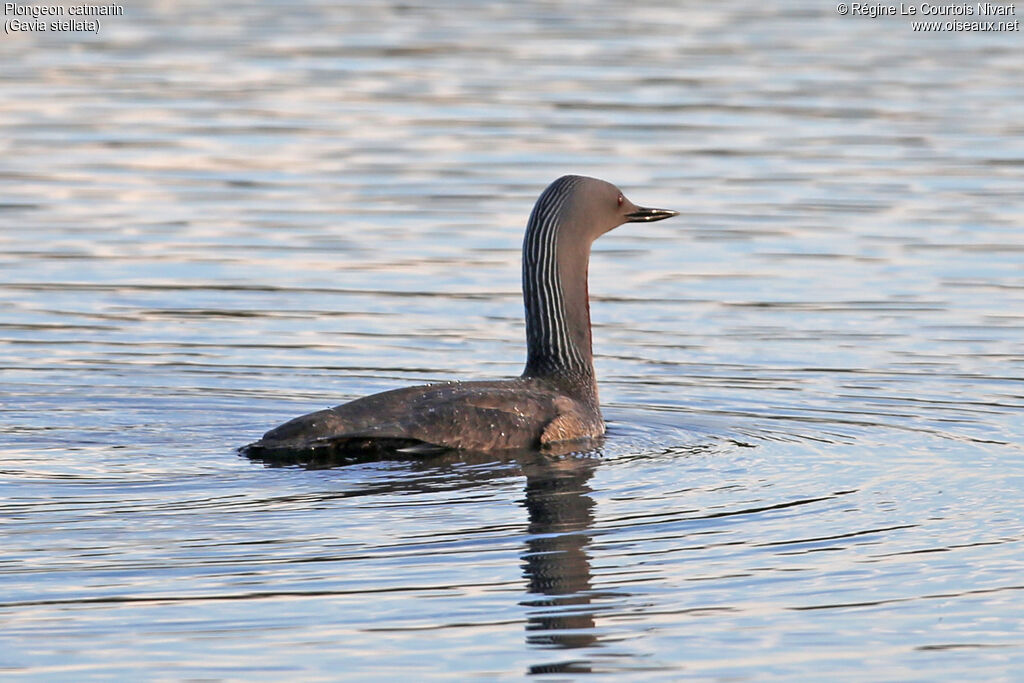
554,401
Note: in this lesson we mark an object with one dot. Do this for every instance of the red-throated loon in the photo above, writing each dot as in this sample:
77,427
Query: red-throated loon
554,400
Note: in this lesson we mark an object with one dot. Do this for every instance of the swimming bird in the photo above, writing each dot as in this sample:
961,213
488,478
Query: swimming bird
555,399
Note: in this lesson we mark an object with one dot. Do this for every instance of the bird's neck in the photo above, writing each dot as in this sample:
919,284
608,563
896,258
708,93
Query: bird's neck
557,306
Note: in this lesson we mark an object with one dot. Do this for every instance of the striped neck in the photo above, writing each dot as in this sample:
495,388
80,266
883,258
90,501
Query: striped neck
555,292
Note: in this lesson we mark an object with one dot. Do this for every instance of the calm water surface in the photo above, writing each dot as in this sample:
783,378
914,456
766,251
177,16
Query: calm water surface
214,217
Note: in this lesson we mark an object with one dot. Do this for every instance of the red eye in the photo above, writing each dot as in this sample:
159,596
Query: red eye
621,199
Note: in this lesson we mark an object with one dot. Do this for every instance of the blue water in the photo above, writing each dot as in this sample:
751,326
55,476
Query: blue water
215,217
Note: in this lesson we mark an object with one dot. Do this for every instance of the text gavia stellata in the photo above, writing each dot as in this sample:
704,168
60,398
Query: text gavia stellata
553,401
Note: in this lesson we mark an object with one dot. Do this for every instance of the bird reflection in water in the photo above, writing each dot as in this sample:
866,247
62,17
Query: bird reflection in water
555,561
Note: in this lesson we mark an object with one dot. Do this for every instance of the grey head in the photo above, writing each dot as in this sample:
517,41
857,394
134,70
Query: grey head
586,208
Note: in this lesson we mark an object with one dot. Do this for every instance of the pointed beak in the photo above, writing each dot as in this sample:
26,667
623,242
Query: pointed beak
642,215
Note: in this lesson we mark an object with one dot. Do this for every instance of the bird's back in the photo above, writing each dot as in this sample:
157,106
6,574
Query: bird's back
480,416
